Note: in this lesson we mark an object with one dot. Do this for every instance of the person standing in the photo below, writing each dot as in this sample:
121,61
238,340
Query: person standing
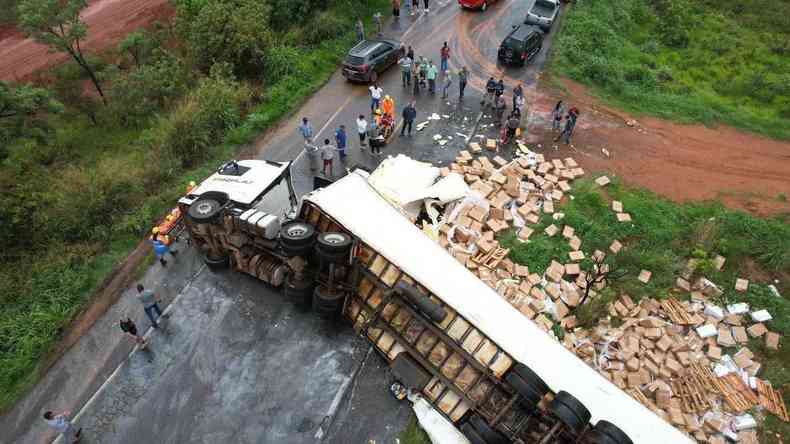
311,151
556,116
410,54
518,91
161,247
425,2
379,24
431,74
130,328
407,5
340,139
488,98
499,107
415,9
396,9
405,70
360,27
60,423
463,75
448,81
512,125
518,104
445,56
409,114
500,88
415,74
375,97
570,125
328,156
306,130
150,305
362,130
374,137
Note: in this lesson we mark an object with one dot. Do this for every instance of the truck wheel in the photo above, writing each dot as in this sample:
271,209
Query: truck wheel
216,264
611,432
333,246
528,395
204,210
531,378
326,303
486,431
472,435
570,411
297,234
299,292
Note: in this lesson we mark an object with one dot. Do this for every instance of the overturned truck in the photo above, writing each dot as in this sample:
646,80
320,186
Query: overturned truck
351,254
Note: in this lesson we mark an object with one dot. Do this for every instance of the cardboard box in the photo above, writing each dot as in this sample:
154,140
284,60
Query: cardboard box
644,276
572,269
524,233
551,230
616,246
617,206
499,161
603,181
576,255
757,330
739,334
491,144
623,217
741,285
575,243
772,340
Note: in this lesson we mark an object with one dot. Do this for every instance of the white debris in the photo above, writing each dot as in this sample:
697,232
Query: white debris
773,289
739,308
434,116
445,116
437,137
714,311
442,142
744,422
761,316
707,331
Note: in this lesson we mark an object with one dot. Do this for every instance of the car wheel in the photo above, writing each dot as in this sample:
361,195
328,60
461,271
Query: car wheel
333,246
486,431
531,378
570,411
472,435
613,433
529,396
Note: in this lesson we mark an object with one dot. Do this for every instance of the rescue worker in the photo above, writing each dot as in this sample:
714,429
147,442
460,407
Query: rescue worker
161,246
388,105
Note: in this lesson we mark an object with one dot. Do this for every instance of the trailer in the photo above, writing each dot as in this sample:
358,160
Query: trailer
351,254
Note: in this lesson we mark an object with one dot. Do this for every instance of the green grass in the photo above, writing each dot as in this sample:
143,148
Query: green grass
414,434
107,170
661,238
707,61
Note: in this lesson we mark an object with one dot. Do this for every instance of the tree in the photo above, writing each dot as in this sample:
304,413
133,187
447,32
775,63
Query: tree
22,112
138,45
598,270
57,24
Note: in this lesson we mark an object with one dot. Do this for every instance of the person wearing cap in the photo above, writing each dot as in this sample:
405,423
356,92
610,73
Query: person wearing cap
161,246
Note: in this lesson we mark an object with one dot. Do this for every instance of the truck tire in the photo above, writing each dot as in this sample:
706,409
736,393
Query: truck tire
486,431
472,434
299,292
570,411
326,303
216,264
529,397
333,246
204,210
610,434
297,234
531,378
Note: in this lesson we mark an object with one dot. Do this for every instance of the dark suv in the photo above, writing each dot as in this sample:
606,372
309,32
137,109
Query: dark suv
521,45
368,56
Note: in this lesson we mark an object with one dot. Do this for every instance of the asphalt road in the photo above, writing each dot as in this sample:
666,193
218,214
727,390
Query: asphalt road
237,362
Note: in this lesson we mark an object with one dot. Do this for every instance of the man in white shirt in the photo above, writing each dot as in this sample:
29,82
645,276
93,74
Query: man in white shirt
61,424
362,129
328,155
376,93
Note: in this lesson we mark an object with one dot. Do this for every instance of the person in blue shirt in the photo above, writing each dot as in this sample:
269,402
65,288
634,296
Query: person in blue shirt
340,139
161,248
306,130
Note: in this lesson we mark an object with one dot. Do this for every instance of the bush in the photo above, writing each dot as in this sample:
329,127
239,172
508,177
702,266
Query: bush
325,26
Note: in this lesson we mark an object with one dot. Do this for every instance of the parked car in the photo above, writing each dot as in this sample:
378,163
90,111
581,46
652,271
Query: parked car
543,13
476,4
521,45
369,56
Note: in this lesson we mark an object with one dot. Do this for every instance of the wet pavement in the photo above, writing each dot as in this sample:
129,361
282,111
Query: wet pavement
237,362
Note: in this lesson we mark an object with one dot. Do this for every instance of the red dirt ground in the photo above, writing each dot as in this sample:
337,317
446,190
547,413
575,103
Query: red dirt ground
681,162
108,21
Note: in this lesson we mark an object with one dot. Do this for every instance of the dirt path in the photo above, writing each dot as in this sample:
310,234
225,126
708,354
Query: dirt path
682,162
108,21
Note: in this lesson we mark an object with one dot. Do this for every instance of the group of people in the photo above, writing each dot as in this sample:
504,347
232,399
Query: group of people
421,73
570,121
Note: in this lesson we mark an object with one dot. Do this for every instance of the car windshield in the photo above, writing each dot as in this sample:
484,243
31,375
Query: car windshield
354,60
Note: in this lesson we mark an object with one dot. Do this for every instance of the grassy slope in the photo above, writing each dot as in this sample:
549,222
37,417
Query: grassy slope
734,69
661,238
43,290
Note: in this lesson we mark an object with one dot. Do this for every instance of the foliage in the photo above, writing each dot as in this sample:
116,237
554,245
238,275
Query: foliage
57,24
139,45
228,31
695,61
23,111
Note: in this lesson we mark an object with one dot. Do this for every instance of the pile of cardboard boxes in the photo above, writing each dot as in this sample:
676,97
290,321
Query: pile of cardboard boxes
686,361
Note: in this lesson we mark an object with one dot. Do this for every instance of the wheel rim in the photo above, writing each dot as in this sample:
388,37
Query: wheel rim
204,208
334,238
297,230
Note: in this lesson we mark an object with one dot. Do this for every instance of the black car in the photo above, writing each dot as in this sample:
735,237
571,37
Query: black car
521,45
370,56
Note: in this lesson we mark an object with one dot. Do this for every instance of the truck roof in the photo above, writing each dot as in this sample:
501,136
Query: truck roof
253,178
357,206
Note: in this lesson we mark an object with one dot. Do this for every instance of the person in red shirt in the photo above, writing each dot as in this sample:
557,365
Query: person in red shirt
445,56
